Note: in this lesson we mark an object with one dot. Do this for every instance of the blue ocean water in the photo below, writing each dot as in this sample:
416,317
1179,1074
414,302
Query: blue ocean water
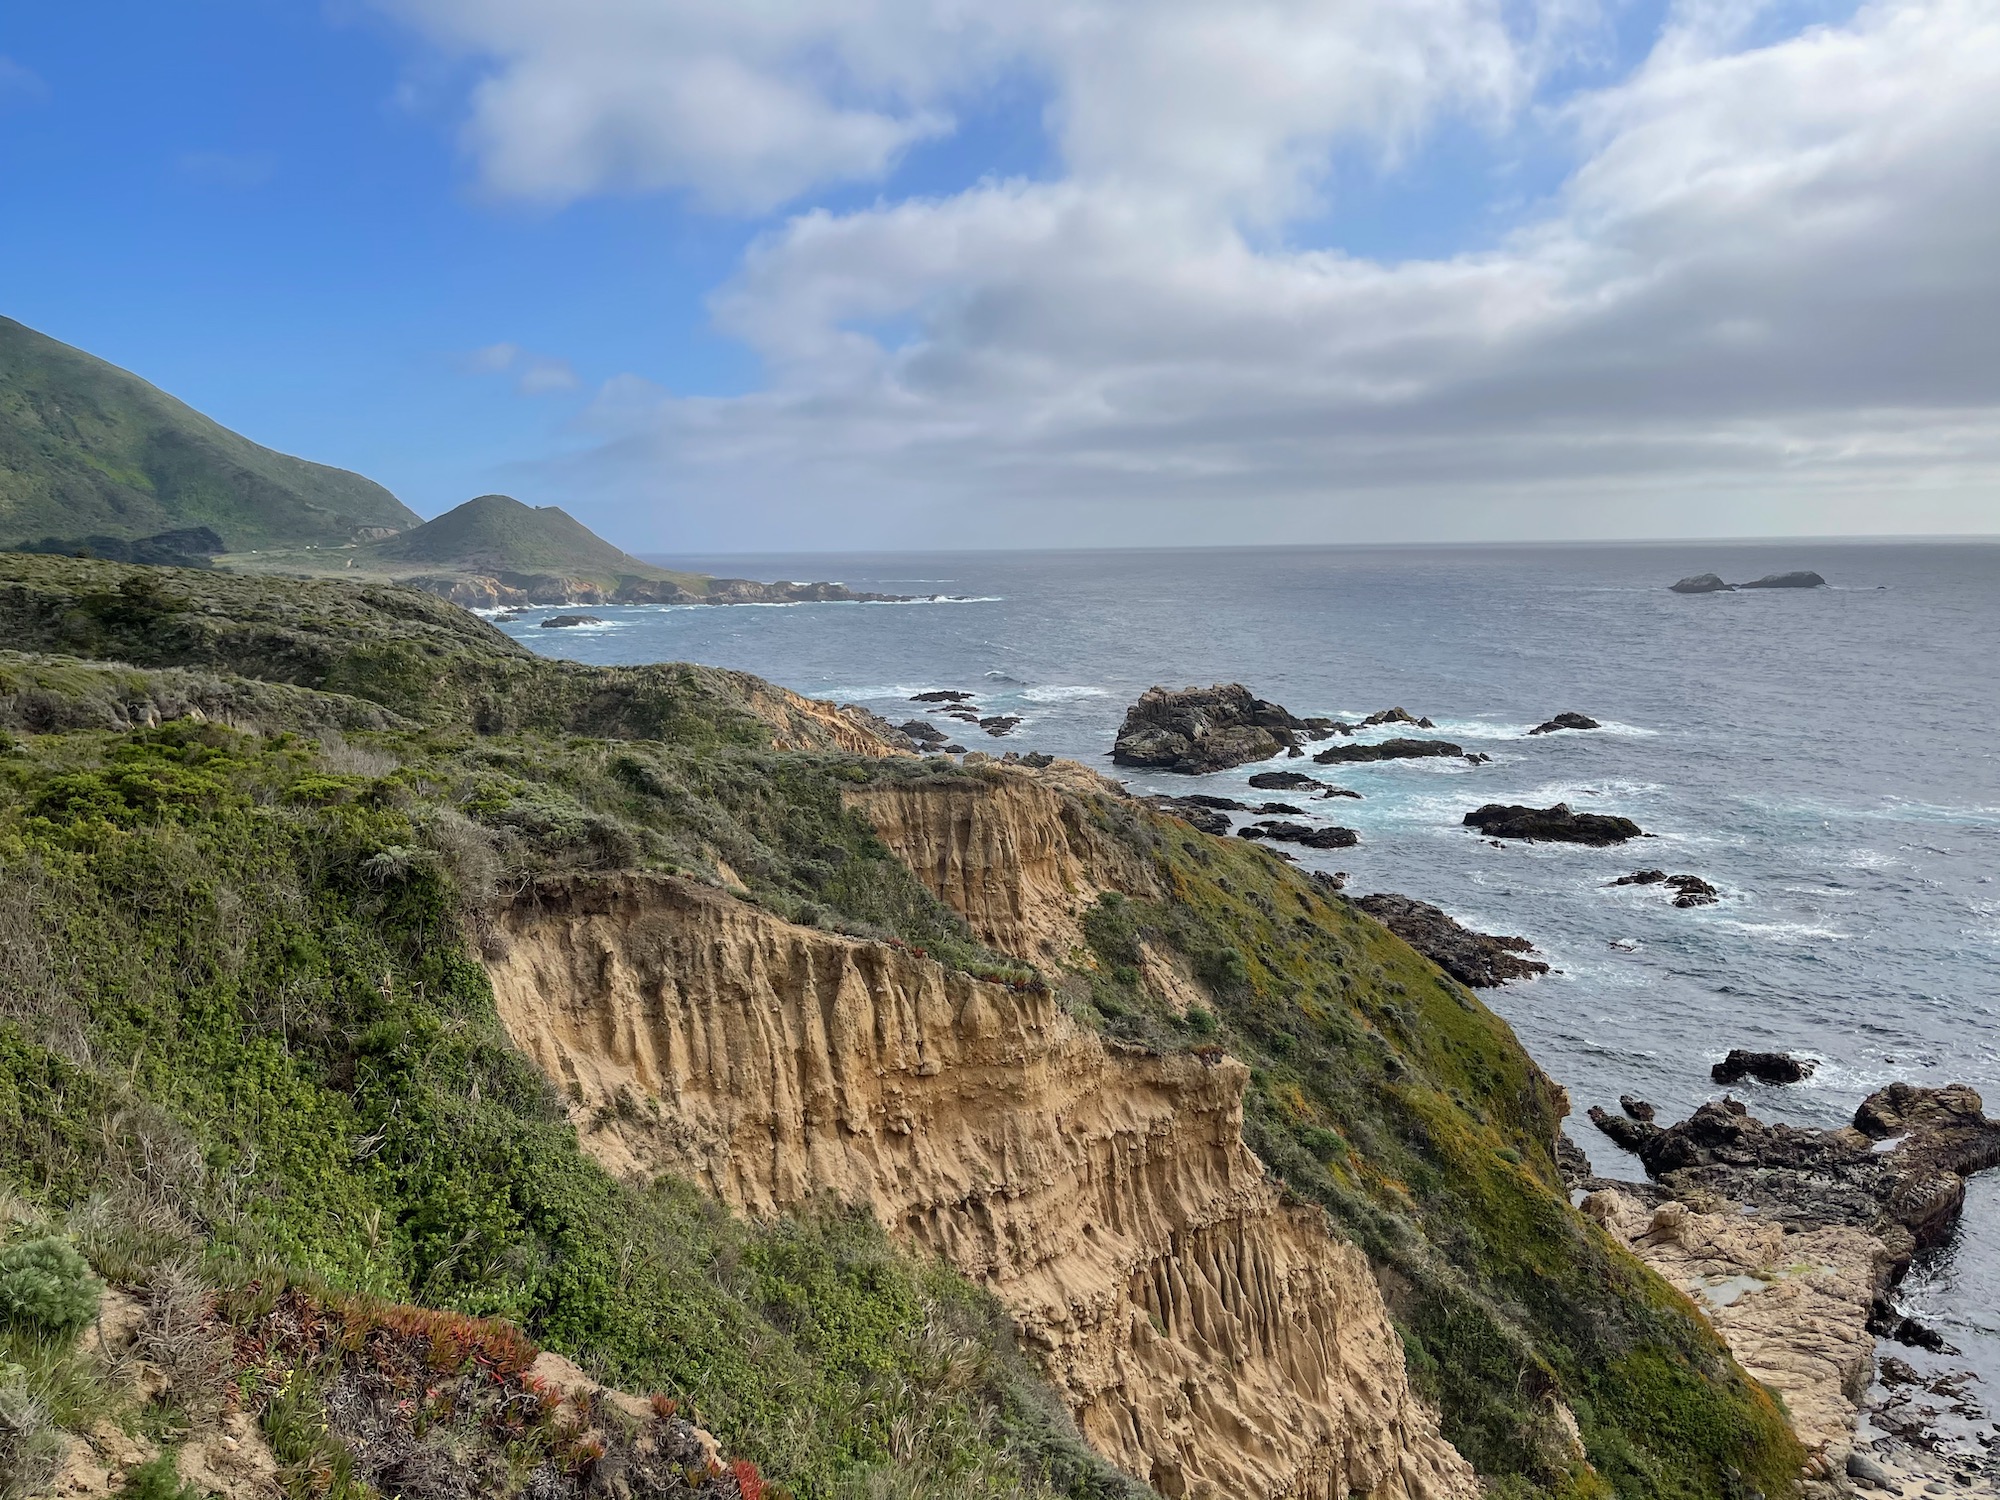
1830,759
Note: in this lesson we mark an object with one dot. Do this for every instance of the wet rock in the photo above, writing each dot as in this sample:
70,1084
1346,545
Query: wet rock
1571,1163
942,695
923,732
1198,730
1479,959
1331,880
1566,721
1702,583
1035,760
1282,809
1478,758
1303,834
999,724
1298,781
1396,716
1691,890
1799,580
952,749
560,622
1386,750
1765,1067
1220,804
1914,1335
1636,1109
1909,1194
1556,824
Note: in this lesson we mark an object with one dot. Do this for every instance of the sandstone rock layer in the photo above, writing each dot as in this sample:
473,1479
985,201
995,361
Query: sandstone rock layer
1209,1339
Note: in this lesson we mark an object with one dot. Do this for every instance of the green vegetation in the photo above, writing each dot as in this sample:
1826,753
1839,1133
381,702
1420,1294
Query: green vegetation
88,449
46,1287
1385,1092
249,1062
242,1026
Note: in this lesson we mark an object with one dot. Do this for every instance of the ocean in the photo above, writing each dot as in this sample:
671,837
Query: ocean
1829,758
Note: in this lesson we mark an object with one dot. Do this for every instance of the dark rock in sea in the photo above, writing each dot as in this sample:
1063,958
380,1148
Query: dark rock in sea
1765,1067
1479,758
1636,1109
1914,1335
1320,729
952,749
1302,833
963,714
1800,580
1898,1171
1198,730
999,724
943,695
1281,809
1396,716
1036,759
923,732
1191,811
1691,890
1566,721
1703,583
1551,824
558,622
1386,750
1479,959
1330,880
1297,781
1209,799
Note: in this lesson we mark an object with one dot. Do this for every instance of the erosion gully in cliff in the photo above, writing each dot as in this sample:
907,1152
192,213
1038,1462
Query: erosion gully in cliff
1210,1339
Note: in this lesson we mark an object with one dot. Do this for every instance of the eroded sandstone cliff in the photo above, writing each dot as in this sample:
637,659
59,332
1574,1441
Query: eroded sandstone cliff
1210,1339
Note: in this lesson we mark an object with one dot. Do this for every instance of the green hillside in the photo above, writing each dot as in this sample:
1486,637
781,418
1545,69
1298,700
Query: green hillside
498,534
87,449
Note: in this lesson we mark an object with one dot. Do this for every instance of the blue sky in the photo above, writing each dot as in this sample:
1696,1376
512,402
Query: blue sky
1129,302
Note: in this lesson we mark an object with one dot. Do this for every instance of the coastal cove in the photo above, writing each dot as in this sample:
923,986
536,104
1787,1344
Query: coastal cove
1825,758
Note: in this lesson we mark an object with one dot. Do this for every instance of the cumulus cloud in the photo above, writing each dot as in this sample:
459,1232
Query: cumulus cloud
1763,296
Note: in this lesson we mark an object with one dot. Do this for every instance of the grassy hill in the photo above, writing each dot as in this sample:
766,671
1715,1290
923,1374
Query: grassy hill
89,449
497,533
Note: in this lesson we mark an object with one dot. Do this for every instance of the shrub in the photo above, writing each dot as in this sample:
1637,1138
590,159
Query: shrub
46,1286
29,1443
158,1480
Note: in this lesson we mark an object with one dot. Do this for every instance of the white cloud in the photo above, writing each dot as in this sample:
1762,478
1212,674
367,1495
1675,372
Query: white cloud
1763,300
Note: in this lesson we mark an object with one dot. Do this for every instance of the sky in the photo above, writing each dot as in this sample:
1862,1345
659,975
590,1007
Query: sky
763,275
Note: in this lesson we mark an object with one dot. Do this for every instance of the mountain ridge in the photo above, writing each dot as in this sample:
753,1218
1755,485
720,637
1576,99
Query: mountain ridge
89,448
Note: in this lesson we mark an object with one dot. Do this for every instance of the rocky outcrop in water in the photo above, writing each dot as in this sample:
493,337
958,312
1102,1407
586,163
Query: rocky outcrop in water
1909,1193
1800,580
1303,834
1689,890
1556,824
1566,721
1335,755
1765,1067
1298,781
1396,716
561,622
1703,583
1198,730
1196,812
1479,959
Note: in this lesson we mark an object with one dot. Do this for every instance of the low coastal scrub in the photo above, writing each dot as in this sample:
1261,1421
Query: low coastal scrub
242,1034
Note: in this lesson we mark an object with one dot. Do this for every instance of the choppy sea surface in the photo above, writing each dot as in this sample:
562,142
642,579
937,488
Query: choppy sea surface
1829,758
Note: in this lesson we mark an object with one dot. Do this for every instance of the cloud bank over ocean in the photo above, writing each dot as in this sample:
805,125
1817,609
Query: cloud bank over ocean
1756,293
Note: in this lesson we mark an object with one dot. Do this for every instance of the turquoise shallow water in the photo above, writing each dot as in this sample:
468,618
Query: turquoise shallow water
1830,759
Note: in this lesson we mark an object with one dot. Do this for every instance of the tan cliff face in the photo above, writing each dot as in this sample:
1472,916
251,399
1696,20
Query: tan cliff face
1209,1339
1017,859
